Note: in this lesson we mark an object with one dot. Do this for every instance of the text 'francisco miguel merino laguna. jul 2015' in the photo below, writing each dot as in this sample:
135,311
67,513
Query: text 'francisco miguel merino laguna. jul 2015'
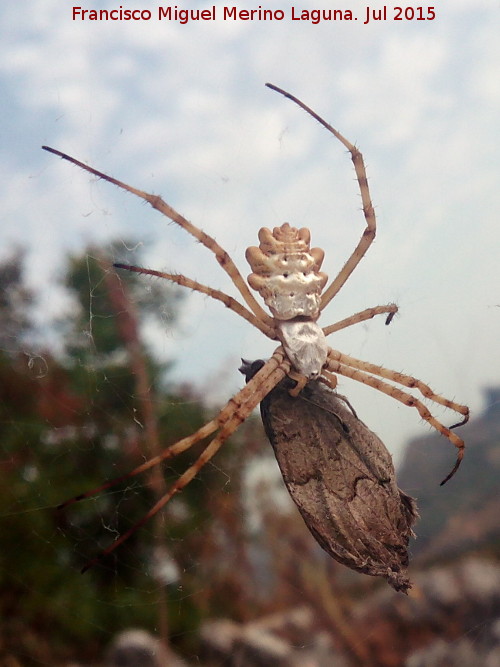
174,13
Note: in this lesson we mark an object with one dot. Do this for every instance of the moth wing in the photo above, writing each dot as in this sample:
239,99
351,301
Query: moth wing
341,477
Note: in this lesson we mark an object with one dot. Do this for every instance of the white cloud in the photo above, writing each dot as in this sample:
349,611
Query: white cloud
182,110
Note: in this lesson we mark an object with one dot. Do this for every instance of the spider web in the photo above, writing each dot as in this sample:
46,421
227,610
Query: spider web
228,543
436,258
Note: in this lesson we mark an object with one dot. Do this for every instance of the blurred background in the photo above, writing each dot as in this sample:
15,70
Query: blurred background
98,370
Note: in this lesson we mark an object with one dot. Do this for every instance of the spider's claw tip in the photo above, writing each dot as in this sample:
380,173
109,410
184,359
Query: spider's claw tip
52,150
461,423
75,499
90,564
452,472
275,88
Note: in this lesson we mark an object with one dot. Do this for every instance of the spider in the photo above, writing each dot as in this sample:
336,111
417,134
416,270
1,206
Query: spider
286,273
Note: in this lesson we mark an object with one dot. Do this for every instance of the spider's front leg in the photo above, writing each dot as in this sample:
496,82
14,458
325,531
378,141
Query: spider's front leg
222,257
368,210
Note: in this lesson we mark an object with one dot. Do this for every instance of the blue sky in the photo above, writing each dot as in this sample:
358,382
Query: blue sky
181,110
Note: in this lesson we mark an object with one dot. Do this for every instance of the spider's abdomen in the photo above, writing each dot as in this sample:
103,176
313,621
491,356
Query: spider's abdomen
286,272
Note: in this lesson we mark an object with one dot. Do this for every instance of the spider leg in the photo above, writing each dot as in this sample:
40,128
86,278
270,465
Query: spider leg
330,379
301,381
336,366
157,203
168,453
277,360
227,300
401,378
368,210
210,450
228,420
362,316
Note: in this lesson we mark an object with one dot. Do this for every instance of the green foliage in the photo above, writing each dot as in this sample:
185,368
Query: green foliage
66,430
15,301
94,336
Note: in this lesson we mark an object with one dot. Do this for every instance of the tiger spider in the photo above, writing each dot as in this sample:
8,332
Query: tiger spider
286,273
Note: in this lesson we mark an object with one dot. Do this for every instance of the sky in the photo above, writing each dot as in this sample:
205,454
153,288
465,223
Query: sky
182,111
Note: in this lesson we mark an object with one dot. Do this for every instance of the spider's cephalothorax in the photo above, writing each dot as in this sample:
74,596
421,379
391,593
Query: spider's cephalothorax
286,272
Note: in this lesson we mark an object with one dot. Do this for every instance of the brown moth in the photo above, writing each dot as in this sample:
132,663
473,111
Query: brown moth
341,477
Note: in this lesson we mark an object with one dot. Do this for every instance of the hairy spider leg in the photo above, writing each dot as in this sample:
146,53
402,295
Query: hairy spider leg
407,399
168,453
328,378
368,210
157,203
362,316
227,300
232,415
187,442
401,378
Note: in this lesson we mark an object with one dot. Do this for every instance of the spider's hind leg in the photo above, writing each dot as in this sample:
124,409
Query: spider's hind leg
232,415
360,371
